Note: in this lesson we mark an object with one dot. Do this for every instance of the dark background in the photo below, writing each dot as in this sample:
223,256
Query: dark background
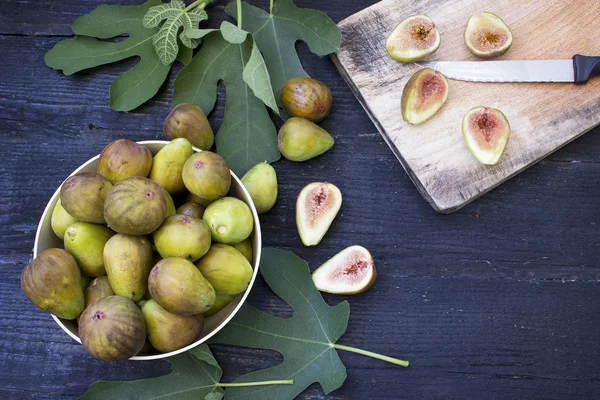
498,300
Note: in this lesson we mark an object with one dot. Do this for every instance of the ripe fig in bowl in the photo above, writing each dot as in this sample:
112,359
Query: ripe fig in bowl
486,35
486,132
168,165
413,39
83,196
350,271
306,98
206,175
123,159
300,140
98,289
85,242
221,301
423,95
191,209
61,220
182,236
261,183
229,220
188,121
226,269
316,208
171,210
244,247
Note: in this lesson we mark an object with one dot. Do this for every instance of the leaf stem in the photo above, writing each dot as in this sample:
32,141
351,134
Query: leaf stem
263,383
239,13
194,4
271,7
402,363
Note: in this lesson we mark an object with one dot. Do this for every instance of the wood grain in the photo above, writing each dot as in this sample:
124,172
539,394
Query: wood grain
543,117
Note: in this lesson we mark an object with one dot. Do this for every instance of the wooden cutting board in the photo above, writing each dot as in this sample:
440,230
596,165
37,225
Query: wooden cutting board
543,117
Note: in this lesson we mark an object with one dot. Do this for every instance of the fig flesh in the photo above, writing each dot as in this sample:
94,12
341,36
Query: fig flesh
182,236
191,210
261,183
221,301
306,98
98,289
61,220
350,271
245,247
85,242
486,132
226,269
300,140
123,159
207,175
316,208
135,206
424,94
188,121
413,39
486,35
168,164
112,329
83,195
229,220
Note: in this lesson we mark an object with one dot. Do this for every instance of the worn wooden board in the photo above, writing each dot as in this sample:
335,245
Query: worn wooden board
543,117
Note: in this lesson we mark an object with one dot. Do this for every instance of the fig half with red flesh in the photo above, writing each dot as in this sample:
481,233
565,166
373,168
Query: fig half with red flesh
413,39
486,35
486,131
423,95
350,271
317,205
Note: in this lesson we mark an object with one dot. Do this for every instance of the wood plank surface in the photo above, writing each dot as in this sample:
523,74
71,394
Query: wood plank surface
498,300
543,117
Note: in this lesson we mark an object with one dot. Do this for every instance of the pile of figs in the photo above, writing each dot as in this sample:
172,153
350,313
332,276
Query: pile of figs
152,246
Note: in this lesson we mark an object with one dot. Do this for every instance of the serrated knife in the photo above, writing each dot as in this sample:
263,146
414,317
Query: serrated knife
577,70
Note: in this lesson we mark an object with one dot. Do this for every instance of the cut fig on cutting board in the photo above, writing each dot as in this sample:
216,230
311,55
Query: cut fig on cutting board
543,116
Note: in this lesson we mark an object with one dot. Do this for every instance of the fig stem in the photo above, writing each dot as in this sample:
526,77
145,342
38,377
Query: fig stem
271,7
263,383
239,13
402,363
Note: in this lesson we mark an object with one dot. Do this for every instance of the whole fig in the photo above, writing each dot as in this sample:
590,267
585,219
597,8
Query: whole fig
221,301
188,121
112,329
245,247
98,289
192,198
261,184
306,98
52,282
182,236
123,159
226,269
170,332
300,140
229,220
83,195
61,220
85,242
128,261
168,165
171,210
191,209
207,175
177,285
135,206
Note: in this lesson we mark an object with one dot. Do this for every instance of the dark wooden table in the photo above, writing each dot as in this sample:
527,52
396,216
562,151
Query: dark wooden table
498,300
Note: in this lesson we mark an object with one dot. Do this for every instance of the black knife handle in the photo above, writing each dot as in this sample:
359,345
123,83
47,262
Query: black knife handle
585,67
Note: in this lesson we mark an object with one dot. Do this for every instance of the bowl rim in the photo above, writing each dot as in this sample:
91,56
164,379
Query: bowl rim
49,208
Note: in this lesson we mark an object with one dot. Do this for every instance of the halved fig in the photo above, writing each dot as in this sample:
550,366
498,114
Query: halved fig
350,271
317,205
423,95
413,39
486,35
486,131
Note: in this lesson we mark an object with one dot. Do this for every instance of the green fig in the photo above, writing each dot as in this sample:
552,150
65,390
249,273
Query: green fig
221,301
226,269
245,247
168,165
83,195
52,282
300,140
192,198
135,206
179,287
61,220
112,329
306,98
188,121
86,242
207,175
128,260
229,220
171,210
169,332
123,159
261,184
191,209
98,289
182,236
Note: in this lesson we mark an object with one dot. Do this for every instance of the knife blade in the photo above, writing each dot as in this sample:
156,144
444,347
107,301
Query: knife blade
576,70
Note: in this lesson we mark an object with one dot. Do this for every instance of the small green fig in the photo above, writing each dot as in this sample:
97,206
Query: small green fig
245,247
52,282
261,184
98,289
221,301
207,175
61,220
83,195
191,209
226,269
123,159
229,220
170,204
182,236
300,140
168,165
85,242
306,98
188,121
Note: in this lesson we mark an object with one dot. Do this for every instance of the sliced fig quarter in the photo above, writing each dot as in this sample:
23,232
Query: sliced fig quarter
486,35
423,95
413,39
317,205
350,271
486,131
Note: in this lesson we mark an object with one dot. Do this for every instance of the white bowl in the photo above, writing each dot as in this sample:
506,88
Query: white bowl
45,239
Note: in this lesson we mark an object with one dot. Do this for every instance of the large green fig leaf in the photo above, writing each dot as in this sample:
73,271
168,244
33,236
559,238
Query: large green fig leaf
306,339
196,375
134,87
247,134
277,32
